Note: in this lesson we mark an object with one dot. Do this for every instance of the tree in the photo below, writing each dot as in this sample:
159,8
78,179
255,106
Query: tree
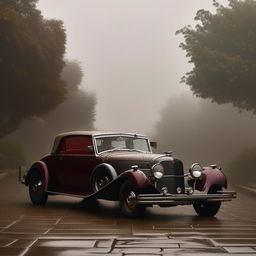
222,48
77,112
198,130
31,60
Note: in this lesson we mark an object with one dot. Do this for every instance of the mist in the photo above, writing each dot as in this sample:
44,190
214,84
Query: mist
129,54
198,130
77,112
131,60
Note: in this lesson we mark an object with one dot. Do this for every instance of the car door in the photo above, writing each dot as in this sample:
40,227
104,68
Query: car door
76,163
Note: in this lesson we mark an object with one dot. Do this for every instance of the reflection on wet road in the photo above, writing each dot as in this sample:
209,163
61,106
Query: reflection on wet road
68,226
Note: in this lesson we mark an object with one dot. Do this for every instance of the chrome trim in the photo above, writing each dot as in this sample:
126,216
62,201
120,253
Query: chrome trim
175,176
191,170
170,199
94,137
168,153
162,156
135,167
184,198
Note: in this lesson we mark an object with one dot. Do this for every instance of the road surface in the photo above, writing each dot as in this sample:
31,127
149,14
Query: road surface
68,226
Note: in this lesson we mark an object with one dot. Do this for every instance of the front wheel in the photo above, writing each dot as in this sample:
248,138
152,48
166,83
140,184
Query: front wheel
208,209
36,188
128,201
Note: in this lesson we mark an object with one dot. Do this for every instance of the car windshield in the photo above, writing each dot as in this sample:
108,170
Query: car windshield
109,143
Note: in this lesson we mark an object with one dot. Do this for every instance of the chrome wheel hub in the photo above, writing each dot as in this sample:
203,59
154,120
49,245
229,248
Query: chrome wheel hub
37,186
131,200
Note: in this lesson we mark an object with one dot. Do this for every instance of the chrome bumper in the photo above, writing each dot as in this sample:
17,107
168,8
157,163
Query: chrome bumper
182,199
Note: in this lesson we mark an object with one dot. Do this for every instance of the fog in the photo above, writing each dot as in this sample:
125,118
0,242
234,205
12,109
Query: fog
127,78
77,112
129,53
200,131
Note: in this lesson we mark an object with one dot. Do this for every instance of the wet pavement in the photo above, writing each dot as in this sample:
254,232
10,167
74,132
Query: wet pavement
69,226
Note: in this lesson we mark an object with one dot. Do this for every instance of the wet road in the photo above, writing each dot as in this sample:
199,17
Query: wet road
68,226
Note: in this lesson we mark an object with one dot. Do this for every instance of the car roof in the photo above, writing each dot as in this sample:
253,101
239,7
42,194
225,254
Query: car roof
87,133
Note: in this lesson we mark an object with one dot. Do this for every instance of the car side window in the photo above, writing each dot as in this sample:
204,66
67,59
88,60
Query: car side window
76,145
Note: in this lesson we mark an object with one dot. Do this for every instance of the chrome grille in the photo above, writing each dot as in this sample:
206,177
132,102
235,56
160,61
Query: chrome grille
172,168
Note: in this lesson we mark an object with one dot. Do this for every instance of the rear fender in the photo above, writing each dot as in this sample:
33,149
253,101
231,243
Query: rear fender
39,166
211,177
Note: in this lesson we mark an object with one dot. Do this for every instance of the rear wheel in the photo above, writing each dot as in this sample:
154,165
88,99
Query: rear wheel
37,193
128,201
208,209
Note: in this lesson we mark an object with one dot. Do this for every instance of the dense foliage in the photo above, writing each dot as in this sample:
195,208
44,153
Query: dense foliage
205,132
77,112
222,48
31,60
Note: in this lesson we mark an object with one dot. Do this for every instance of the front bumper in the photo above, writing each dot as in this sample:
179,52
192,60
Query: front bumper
183,199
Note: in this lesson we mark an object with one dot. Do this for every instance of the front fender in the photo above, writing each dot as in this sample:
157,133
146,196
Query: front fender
111,191
138,178
42,168
211,177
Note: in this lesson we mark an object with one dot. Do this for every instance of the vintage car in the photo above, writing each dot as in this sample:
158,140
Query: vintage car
122,167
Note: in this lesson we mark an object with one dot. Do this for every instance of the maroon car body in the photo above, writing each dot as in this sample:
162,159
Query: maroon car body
121,166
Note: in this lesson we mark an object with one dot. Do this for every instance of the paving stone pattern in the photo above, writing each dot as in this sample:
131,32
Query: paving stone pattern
67,226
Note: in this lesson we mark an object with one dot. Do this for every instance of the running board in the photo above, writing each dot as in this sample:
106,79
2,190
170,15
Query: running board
64,194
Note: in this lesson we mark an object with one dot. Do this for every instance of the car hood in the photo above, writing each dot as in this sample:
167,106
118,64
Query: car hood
123,160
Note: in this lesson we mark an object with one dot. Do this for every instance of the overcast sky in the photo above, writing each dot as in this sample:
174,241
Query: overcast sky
129,53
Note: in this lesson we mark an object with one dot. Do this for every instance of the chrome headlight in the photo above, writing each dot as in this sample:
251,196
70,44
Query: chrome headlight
196,170
157,170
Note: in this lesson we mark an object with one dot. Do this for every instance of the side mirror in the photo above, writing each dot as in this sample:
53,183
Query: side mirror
90,149
153,144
